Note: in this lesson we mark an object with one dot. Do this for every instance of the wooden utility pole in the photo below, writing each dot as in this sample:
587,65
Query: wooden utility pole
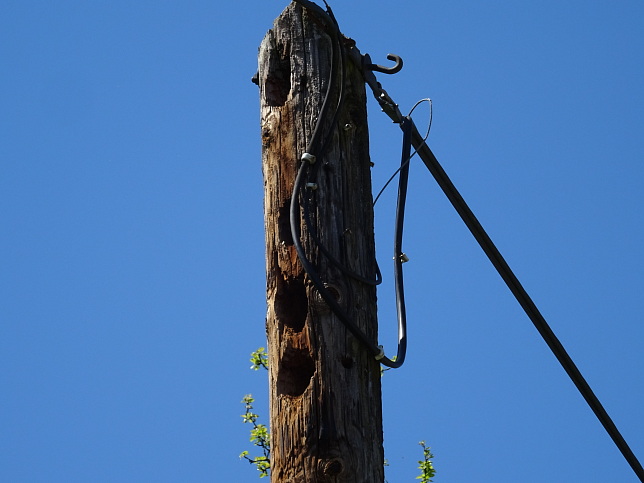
325,401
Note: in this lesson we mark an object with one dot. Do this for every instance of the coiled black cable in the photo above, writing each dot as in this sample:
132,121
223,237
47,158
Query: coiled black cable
308,167
337,51
311,271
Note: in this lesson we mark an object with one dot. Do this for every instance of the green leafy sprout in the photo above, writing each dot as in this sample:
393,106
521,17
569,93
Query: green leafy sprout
426,466
260,437
259,359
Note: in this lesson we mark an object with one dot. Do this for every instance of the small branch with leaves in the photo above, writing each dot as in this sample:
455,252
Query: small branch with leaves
258,359
426,466
259,437
259,434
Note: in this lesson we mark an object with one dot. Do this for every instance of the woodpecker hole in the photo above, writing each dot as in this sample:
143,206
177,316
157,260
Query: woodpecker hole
334,467
347,362
291,302
278,80
295,372
284,223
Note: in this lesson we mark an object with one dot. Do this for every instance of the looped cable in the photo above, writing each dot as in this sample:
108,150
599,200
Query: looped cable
429,127
315,149
431,116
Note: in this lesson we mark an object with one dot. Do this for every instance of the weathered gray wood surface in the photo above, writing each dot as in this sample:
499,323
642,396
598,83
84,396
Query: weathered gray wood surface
325,402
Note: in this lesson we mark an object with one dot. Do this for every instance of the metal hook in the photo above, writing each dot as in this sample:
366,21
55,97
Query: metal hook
385,70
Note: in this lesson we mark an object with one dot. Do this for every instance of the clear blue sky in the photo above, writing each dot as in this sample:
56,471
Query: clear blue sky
132,251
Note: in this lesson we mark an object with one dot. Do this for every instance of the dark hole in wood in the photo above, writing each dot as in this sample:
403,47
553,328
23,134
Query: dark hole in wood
347,362
319,304
334,291
333,468
284,223
295,372
291,302
278,80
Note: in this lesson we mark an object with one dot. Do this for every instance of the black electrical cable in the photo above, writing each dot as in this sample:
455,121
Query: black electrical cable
524,299
337,51
399,257
319,125
337,263
308,165
429,127
311,271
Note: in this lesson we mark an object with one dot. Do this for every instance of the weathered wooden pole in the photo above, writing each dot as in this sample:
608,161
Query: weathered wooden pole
325,401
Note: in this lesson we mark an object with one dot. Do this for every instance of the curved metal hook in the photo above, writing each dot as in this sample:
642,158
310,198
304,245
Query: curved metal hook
387,70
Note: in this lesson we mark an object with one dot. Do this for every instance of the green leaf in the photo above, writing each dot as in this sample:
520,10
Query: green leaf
258,359
426,466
